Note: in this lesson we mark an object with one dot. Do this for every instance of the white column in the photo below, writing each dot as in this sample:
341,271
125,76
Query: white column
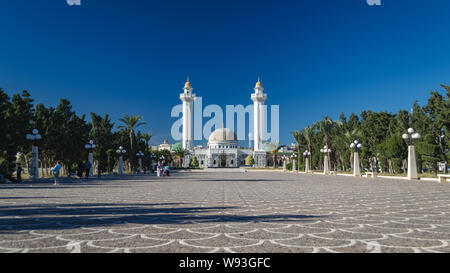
185,124
257,128
412,167
326,167
190,137
356,165
188,116
91,160
120,165
258,99
307,165
294,165
284,165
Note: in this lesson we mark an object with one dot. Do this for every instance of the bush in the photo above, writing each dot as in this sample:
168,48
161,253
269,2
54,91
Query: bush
249,161
397,164
194,162
289,166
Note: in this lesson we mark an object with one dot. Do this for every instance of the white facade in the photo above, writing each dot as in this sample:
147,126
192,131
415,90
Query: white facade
223,150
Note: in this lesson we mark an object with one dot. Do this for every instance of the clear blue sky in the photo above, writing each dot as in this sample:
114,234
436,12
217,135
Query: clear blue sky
315,57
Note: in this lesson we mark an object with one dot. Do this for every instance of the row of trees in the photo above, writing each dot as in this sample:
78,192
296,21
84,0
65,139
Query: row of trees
64,134
381,136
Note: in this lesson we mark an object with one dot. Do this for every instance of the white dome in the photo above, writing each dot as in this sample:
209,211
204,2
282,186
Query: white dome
222,135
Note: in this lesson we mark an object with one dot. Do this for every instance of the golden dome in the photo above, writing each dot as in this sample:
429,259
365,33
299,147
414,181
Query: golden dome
187,84
259,84
222,134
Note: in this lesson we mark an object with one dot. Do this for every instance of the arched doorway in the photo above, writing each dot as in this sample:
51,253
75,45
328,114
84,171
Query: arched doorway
223,161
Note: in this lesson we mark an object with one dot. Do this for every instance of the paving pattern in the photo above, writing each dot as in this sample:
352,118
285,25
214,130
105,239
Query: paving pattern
253,212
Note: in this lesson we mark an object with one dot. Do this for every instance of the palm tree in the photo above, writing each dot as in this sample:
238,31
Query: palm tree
130,123
146,138
308,135
273,148
179,152
298,136
325,127
350,136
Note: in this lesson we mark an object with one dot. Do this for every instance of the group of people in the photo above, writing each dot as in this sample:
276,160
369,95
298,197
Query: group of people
83,170
162,170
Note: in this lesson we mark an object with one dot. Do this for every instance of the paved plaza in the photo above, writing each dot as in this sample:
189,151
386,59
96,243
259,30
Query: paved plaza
252,212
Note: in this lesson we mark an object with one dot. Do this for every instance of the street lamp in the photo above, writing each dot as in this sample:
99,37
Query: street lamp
307,154
90,147
410,137
326,163
284,158
355,146
34,169
121,151
294,162
443,145
140,155
162,158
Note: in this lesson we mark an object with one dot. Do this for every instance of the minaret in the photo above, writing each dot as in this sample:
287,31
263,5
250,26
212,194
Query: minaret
188,110
258,99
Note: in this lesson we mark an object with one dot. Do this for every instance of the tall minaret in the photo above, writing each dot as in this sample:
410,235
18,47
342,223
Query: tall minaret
258,98
188,110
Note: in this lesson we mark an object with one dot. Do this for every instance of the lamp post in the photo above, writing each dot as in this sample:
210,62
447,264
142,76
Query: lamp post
410,137
140,155
307,154
90,147
444,149
294,162
121,151
355,146
34,168
284,158
326,163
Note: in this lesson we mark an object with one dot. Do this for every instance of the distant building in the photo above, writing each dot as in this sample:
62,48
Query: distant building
222,150
162,147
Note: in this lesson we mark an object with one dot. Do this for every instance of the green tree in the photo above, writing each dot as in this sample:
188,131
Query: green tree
70,134
110,160
395,151
429,151
299,140
103,136
130,123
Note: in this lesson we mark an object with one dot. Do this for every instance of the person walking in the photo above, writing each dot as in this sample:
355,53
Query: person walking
80,169
158,169
87,169
167,171
56,170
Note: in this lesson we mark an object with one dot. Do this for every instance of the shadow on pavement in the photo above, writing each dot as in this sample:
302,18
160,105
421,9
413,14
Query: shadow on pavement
69,216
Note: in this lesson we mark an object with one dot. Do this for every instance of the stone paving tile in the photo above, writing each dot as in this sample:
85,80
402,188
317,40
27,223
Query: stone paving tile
226,212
